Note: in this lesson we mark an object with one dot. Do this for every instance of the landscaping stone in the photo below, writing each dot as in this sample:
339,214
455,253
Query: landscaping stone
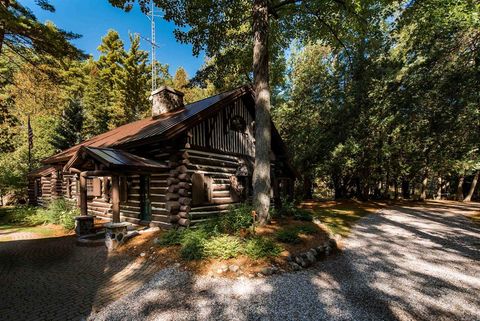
233,268
295,266
310,257
142,254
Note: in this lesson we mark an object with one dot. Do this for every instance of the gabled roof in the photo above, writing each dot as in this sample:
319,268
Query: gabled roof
113,159
42,171
164,127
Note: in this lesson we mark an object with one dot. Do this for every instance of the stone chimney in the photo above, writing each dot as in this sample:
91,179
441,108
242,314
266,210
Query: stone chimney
166,99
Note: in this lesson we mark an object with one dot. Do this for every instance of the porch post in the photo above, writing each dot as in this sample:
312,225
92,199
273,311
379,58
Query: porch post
83,195
115,199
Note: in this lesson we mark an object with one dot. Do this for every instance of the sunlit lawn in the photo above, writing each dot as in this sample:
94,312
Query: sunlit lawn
339,217
8,229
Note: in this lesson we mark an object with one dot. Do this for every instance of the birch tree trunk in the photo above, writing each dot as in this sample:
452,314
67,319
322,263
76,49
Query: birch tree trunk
423,193
261,173
460,187
472,187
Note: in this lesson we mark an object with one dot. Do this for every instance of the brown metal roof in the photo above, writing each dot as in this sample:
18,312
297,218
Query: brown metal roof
42,171
159,128
113,159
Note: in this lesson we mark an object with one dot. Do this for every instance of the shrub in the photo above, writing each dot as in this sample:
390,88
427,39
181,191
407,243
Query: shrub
222,246
307,229
171,237
193,243
302,215
288,236
18,214
286,209
259,247
58,211
238,217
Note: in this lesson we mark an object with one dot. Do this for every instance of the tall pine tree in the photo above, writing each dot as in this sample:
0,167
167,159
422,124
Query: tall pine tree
69,126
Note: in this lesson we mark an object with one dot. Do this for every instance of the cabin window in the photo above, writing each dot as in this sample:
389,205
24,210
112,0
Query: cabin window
201,189
38,187
238,124
94,187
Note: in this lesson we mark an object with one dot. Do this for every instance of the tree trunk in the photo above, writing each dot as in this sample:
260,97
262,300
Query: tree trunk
405,189
460,187
439,189
472,187
395,184
423,192
261,173
4,4
307,187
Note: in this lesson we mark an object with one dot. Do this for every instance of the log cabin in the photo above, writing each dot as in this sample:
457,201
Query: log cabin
183,165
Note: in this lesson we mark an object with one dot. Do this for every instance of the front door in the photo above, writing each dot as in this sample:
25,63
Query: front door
145,206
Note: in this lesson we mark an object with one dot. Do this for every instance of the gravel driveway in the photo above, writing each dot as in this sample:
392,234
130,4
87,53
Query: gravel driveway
404,263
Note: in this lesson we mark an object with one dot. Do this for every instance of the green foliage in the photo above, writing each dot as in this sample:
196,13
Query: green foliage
288,235
237,218
302,215
222,246
261,247
307,229
291,234
59,212
69,126
31,39
171,237
193,244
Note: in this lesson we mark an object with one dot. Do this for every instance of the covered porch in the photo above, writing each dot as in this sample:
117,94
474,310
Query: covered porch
108,174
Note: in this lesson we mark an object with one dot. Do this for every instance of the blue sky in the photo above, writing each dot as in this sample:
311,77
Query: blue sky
93,18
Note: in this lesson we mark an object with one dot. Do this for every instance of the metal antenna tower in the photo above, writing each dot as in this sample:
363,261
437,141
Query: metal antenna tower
154,67
151,16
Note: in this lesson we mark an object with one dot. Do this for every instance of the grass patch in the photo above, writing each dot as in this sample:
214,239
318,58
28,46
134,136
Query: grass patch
339,217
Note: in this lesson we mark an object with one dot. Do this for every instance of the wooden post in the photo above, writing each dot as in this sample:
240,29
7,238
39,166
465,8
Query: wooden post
83,195
115,199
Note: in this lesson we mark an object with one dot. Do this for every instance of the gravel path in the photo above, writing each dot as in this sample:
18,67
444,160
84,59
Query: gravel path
405,263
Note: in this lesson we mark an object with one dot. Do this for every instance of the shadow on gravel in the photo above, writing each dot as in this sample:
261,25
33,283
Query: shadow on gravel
406,264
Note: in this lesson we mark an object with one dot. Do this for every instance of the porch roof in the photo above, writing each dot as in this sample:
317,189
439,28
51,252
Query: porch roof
113,159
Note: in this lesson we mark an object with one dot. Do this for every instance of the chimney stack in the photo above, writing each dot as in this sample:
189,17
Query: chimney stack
166,99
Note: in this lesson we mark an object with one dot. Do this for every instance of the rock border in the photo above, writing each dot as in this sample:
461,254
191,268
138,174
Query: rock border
310,257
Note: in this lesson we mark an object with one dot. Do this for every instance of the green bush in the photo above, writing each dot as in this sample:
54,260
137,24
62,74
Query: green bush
58,211
288,236
18,214
193,243
222,246
171,237
286,208
307,229
260,247
238,217
302,215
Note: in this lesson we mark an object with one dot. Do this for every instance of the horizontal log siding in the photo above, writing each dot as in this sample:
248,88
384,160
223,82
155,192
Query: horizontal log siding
220,167
215,133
